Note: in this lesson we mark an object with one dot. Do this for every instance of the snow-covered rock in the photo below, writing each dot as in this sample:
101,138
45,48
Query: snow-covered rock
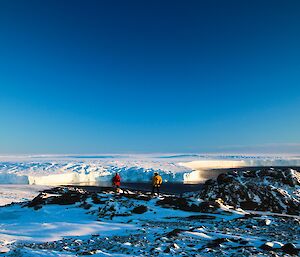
263,189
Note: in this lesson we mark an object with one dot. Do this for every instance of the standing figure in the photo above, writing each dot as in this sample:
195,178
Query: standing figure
156,182
116,181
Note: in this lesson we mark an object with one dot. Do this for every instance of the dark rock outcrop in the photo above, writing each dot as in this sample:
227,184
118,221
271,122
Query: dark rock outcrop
59,195
140,209
266,189
184,204
174,233
290,248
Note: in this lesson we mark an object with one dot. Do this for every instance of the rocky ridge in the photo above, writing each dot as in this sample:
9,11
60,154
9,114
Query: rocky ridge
267,189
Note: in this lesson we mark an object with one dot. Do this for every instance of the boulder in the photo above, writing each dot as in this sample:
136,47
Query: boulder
174,233
140,209
290,248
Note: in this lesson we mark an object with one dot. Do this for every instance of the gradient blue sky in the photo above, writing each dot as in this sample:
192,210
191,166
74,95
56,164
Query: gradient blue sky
149,76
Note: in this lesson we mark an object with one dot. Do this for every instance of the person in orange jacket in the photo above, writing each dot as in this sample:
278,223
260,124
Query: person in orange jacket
117,182
156,183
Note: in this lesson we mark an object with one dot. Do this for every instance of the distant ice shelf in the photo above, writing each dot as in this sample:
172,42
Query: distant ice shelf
93,169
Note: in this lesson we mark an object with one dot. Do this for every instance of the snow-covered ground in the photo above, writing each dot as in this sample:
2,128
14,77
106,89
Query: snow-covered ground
51,223
93,169
74,222
234,215
18,193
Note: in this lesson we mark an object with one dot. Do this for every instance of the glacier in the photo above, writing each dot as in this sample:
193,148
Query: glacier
99,169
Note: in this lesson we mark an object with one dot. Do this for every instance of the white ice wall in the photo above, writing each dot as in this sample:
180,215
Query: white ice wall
175,168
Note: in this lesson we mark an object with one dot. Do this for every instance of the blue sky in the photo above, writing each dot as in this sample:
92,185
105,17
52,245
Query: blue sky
149,76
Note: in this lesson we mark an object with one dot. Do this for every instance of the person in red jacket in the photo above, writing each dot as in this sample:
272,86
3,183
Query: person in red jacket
117,182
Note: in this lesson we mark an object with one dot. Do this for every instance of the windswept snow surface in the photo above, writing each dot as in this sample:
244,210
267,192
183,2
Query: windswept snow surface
95,169
18,193
20,224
